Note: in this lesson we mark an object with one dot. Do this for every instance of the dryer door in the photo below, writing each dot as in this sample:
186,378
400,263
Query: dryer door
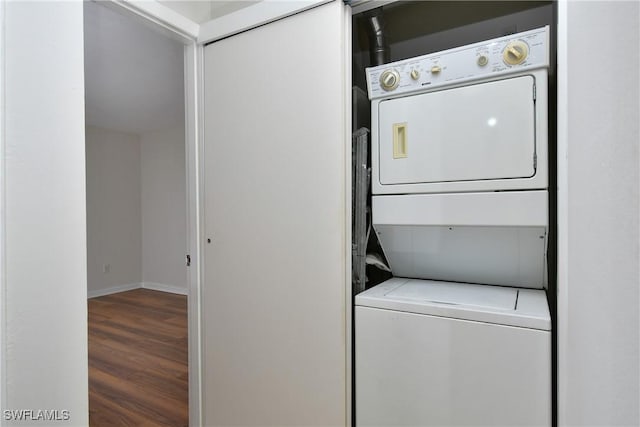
479,132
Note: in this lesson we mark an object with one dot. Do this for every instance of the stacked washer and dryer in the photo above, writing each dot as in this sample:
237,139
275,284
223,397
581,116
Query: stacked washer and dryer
461,335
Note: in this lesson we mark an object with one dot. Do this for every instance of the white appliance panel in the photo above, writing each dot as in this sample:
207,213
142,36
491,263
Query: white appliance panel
460,65
498,208
415,369
506,256
478,132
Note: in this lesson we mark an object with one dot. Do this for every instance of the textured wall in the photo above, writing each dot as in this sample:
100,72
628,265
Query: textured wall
598,214
45,295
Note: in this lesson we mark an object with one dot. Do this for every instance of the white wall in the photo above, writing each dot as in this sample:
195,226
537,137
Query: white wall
136,210
44,300
114,226
598,197
164,239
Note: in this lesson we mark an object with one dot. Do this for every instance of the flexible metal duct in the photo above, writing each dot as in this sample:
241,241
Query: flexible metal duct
379,50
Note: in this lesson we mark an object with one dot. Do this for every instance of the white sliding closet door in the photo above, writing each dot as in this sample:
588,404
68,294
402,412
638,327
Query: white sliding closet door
274,304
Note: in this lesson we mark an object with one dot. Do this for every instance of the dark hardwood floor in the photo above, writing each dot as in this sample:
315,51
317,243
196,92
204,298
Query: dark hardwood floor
138,359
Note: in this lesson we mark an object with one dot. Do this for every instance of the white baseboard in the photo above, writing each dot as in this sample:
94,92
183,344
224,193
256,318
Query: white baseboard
131,286
165,288
113,290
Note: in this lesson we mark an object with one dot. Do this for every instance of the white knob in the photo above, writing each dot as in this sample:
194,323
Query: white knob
515,52
389,79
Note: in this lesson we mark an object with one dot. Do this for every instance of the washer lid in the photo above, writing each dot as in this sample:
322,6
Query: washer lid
482,303
492,297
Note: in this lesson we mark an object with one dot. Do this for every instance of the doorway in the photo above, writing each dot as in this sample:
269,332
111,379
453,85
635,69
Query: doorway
139,215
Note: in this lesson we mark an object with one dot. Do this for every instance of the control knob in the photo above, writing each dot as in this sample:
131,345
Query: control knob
515,52
389,79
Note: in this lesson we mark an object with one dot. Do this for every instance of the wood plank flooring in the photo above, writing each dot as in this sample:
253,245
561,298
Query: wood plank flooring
138,359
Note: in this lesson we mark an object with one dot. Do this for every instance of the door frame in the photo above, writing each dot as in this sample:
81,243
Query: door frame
185,31
3,269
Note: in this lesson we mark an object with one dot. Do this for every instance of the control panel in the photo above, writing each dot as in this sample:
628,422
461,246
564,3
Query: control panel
504,55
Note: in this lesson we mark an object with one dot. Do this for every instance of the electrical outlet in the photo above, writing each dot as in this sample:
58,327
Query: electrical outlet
106,268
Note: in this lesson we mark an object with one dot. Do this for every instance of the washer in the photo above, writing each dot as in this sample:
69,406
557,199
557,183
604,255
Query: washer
434,353
462,334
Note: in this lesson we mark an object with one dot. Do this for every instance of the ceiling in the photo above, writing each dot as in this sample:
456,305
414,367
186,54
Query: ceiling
201,11
133,75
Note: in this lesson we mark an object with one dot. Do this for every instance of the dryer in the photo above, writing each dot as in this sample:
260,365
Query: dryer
467,119
462,334
460,162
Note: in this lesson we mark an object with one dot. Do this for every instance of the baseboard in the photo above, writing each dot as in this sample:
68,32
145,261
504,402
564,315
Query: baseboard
131,286
113,290
165,288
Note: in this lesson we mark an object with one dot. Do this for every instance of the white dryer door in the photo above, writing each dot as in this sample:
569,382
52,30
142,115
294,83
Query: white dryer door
479,132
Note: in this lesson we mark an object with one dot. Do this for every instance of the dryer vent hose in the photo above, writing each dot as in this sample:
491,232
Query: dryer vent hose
379,50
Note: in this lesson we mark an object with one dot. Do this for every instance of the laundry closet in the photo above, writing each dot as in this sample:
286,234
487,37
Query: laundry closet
453,295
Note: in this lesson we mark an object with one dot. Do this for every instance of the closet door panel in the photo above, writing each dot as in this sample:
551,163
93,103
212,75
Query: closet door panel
274,288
